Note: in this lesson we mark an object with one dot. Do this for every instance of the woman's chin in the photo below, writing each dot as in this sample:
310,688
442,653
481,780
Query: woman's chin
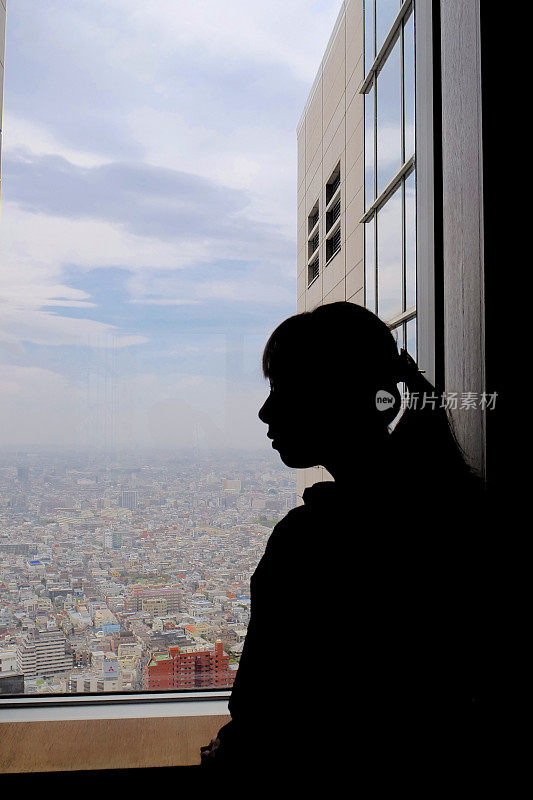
292,457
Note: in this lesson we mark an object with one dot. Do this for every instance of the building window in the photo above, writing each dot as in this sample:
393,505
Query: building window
333,185
313,241
390,178
333,214
333,245
313,219
313,244
313,270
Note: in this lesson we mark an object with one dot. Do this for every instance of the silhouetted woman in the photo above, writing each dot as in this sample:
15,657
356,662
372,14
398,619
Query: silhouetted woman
362,652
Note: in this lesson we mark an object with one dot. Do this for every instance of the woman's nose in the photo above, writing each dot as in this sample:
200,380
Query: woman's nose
263,411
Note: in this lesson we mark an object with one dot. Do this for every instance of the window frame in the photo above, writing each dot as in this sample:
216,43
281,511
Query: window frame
94,700
428,194
332,197
313,255
423,162
427,155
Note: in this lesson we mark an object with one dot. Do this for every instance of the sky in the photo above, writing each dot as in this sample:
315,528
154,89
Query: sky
148,215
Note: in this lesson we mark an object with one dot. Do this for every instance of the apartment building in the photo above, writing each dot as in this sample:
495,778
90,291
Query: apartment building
129,499
194,667
89,683
157,600
42,653
392,206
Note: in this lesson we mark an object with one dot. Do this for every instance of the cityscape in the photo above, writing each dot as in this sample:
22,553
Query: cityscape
131,572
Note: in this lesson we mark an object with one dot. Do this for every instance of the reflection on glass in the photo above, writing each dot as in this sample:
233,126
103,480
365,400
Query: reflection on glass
398,334
386,12
389,260
403,394
410,241
409,86
399,337
370,266
369,149
411,337
369,34
389,115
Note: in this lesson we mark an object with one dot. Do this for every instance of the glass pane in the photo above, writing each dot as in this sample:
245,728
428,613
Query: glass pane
370,270
389,112
389,261
386,13
138,488
409,86
369,149
410,241
399,337
411,337
369,34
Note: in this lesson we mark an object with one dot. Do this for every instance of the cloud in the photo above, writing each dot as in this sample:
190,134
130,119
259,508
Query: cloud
184,239
46,328
145,200
31,135
239,30
149,170
210,88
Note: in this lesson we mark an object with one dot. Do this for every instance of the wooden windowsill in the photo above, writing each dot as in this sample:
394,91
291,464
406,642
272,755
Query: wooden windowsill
113,743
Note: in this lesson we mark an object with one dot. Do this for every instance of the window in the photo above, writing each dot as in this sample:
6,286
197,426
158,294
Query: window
313,241
333,245
313,244
313,219
333,184
390,178
333,214
313,270
137,486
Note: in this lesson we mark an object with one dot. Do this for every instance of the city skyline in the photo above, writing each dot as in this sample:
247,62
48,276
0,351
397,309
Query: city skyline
104,563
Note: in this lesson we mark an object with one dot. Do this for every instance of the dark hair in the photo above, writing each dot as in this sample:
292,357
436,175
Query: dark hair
341,339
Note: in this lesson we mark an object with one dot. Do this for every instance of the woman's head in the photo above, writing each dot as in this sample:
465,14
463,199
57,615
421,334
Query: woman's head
325,368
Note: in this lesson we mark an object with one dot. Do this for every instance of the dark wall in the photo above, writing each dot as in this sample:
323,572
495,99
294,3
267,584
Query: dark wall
11,683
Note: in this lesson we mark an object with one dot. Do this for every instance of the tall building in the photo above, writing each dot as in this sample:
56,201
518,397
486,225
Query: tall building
23,474
43,653
112,540
392,205
155,599
128,499
188,668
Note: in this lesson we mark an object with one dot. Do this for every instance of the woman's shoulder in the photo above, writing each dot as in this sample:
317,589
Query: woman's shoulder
292,519
288,532
300,521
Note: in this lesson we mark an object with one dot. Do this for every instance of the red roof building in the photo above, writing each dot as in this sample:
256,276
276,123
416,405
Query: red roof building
188,668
